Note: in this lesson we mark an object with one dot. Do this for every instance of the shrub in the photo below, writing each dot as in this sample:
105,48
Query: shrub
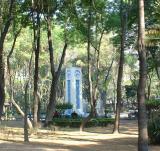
75,123
64,122
61,107
154,130
92,123
104,122
152,104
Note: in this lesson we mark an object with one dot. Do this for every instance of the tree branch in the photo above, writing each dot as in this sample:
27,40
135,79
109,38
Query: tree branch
10,53
50,46
108,72
61,61
7,24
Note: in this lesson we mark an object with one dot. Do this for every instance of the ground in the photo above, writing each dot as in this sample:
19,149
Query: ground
93,139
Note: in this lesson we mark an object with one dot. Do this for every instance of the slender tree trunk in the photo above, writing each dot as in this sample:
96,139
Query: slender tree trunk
52,101
2,38
39,109
11,52
2,83
10,82
26,119
52,98
90,88
142,117
108,72
120,71
106,87
37,50
55,74
149,86
114,95
26,137
95,91
22,113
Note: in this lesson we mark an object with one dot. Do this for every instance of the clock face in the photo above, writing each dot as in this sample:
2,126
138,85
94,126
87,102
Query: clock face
77,74
68,74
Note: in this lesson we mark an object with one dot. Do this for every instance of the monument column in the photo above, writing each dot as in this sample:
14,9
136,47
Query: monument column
74,89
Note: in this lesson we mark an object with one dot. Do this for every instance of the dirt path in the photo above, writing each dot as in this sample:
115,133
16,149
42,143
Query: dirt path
93,139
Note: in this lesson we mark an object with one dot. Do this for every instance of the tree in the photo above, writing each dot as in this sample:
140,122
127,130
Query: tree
120,70
142,118
6,20
90,86
36,30
95,14
26,137
55,73
11,87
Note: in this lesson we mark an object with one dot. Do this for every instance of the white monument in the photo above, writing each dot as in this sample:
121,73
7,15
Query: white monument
74,89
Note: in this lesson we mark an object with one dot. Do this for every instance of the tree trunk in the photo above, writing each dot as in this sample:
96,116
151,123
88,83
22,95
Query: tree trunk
108,72
10,81
149,86
114,95
106,87
10,54
84,122
55,74
52,99
95,91
26,137
22,113
142,117
2,38
52,103
39,110
37,50
2,83
120,71
90,88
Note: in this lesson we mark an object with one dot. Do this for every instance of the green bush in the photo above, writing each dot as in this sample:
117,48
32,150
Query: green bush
152,104
104,122
64,122
61,107
64,106
61,123
75,123
154,130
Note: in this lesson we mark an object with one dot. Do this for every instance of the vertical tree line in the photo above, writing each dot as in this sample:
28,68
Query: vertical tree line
142,117
6,20
36,9
123,14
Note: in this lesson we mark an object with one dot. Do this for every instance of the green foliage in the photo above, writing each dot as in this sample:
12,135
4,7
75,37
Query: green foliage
64,122
61,107
153,103
131,91
154,130
130,60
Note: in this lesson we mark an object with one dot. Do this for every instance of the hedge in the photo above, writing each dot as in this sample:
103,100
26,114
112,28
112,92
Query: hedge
154,130
69,122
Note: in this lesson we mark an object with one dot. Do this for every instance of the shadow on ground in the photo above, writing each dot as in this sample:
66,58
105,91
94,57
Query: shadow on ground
93,139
